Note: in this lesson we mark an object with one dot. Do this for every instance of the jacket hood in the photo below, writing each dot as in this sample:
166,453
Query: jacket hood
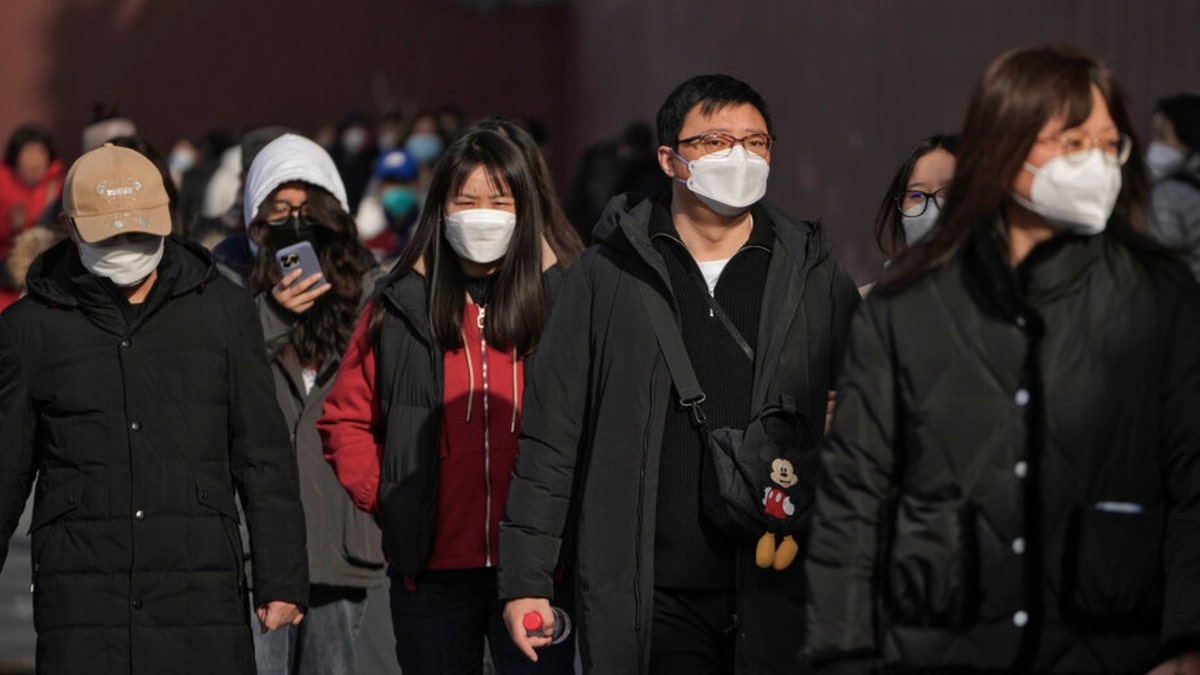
286,159
624,225
58,277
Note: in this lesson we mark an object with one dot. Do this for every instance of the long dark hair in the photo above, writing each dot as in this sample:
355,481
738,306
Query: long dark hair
323,331
889,235
560,234
1018,93
517,304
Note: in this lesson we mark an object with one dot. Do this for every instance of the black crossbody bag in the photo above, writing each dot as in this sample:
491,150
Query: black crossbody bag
736,462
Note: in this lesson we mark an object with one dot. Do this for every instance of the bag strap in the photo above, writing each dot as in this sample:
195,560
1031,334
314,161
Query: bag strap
670,340
715,308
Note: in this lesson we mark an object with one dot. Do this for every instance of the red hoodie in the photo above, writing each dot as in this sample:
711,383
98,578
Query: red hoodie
477,446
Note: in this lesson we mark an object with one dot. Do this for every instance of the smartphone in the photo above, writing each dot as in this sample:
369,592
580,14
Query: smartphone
302,257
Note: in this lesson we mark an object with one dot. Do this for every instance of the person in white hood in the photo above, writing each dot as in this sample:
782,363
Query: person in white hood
293,193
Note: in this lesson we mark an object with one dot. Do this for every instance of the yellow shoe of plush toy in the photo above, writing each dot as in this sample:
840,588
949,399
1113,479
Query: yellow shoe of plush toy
764,555
784,555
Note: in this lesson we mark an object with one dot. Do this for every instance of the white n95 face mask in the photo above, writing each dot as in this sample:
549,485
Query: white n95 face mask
1074,197
1162,159
728,182
126,261
917,227
480,235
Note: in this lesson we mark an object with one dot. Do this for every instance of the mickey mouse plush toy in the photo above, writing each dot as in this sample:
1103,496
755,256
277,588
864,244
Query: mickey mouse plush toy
779,509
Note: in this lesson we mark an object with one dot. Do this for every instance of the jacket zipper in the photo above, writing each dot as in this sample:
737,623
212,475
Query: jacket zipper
487,443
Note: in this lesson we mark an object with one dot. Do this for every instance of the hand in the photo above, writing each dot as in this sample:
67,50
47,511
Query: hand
301,297
830,400
277,614
514,616
1184,664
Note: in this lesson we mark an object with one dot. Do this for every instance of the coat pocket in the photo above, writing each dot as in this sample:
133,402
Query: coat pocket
1112,567
931,575
45,528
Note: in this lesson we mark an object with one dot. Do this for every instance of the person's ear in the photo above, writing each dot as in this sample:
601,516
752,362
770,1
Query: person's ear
667,161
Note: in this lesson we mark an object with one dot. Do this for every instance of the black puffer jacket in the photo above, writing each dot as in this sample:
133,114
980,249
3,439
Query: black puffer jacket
596,402
139,436
1012,480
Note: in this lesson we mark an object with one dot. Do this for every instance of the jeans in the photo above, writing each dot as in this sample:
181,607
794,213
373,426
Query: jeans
323,643
441,621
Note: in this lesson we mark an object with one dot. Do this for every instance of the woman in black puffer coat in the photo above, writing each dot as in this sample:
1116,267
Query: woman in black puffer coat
1012,480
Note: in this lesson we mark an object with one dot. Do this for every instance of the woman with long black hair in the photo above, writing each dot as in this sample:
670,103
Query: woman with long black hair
1012,479
421,425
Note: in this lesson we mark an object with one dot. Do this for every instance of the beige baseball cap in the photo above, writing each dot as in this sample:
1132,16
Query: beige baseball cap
113,190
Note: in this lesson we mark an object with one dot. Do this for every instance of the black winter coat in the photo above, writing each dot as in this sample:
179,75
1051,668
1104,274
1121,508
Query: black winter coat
595,408
1012,480
410,376
138,436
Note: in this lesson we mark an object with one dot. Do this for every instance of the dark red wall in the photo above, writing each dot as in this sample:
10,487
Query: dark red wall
181,67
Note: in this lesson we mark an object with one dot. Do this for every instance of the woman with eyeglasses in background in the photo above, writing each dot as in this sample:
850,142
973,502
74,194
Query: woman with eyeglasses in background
915,197
1012,480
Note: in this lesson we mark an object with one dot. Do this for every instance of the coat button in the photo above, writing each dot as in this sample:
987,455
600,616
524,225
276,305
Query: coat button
1022,322
139,514
1021,469
137,604
1020,619
203,495
136,426
125,343
1022,397
1018,545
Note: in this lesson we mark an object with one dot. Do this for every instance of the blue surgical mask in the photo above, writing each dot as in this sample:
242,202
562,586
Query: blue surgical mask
424,148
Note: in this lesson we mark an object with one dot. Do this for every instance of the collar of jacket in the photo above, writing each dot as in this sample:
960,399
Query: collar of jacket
58,277
662,225
1053,268
798,247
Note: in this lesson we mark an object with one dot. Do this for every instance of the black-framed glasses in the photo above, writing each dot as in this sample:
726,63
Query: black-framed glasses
1076,147
280,211
913,203
715,142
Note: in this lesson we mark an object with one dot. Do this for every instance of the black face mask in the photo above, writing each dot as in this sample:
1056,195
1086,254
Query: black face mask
291,231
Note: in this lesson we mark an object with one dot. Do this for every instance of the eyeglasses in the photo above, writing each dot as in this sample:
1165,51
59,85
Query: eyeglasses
716,143
913,203
1075,147
280,211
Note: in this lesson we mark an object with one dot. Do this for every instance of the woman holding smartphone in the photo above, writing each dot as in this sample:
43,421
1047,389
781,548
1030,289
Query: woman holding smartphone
1012,480
295,201
421,425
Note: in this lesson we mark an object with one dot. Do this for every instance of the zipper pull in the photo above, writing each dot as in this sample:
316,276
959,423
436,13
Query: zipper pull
479,319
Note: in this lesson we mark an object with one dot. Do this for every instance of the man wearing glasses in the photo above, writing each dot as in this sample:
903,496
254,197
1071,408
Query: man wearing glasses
608,479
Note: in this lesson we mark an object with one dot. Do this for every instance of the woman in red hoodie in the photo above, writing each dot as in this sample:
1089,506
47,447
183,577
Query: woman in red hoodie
421,424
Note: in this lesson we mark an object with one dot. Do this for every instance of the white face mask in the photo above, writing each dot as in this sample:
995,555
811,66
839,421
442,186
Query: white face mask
1072,197
480,235
916,227
1163,159
728,183
126,262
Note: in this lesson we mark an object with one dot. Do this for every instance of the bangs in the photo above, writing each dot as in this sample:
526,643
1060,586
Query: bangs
497,181
1076,92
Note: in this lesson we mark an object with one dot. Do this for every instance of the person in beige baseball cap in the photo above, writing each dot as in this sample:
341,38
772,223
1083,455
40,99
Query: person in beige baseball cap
119,214
134,391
